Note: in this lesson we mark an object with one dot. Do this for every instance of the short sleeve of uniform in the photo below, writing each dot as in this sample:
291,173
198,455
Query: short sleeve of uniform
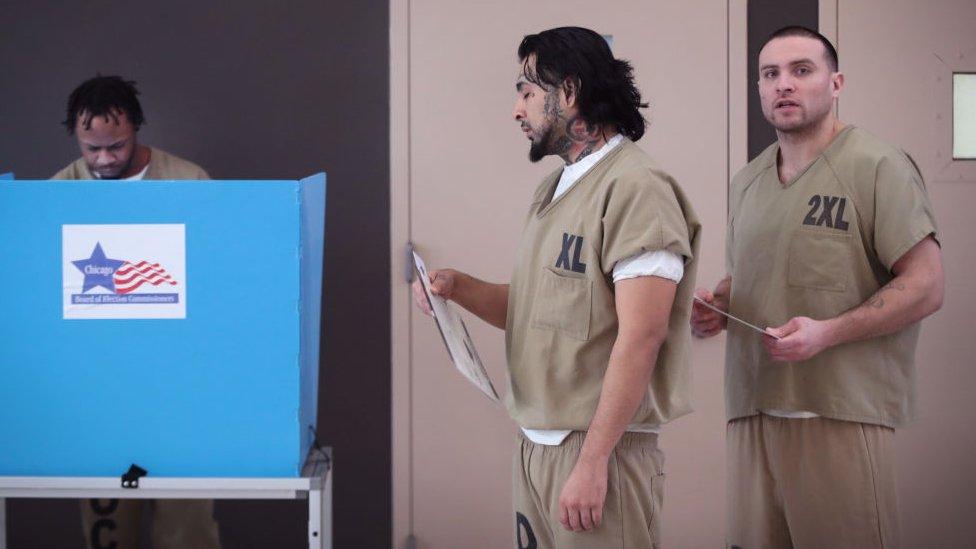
642,214
903,211
735,198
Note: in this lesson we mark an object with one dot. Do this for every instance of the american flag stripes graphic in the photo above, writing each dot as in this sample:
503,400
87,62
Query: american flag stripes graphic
130,276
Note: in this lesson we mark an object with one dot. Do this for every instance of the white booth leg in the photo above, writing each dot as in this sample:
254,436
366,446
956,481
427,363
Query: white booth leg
326,510
320,514
315,519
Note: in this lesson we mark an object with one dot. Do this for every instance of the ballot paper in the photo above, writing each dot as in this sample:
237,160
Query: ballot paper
735,318
456,338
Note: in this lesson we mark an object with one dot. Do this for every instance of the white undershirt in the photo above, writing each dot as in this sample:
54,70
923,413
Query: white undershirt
137,177
660,263
789,414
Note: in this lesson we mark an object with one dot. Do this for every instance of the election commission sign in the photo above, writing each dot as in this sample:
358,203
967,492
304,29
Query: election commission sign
124,271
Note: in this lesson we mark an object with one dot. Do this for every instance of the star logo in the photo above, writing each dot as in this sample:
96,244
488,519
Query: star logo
98,270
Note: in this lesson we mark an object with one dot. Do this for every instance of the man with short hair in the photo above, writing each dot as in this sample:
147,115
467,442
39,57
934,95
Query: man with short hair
595,313
832,243
104,115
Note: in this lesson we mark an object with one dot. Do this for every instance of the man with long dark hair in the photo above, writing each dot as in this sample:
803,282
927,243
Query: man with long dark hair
595,314
832,242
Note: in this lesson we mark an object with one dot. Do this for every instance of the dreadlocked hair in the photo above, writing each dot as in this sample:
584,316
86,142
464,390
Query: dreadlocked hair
103,96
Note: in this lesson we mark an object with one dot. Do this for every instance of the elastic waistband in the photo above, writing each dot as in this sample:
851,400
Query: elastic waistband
576,438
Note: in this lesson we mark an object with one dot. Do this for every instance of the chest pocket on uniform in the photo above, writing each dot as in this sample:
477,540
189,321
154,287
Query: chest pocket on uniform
820,260
562,303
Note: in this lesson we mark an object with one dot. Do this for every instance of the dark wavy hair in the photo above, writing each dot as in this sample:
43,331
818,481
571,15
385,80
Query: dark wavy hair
606,93
104,96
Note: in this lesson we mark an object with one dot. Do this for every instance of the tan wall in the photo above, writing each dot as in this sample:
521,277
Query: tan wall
898,57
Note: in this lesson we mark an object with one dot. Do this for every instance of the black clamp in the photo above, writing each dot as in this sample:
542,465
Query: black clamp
131,477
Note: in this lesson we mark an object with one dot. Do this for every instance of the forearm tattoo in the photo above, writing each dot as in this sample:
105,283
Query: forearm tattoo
877,300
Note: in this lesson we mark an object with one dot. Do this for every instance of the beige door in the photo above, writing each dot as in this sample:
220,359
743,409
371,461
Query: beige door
899,58
460,188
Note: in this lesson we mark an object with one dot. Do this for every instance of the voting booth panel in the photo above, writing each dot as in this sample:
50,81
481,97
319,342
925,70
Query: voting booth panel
169,324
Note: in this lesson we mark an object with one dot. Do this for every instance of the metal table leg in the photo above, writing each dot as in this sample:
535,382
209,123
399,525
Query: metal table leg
315,519
320,514
326,510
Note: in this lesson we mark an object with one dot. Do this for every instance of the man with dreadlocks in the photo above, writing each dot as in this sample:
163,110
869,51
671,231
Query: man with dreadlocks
104,114
595,314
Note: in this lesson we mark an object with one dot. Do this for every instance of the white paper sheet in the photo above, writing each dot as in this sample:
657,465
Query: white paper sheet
735,318
456,338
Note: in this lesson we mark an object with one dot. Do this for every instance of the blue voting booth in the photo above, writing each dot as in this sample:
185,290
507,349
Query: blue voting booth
169,324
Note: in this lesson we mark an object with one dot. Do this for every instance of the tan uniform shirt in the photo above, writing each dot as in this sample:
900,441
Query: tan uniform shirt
162,165
562,320
818,246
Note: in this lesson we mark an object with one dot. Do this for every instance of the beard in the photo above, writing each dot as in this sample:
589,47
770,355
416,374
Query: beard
537,151
542,147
